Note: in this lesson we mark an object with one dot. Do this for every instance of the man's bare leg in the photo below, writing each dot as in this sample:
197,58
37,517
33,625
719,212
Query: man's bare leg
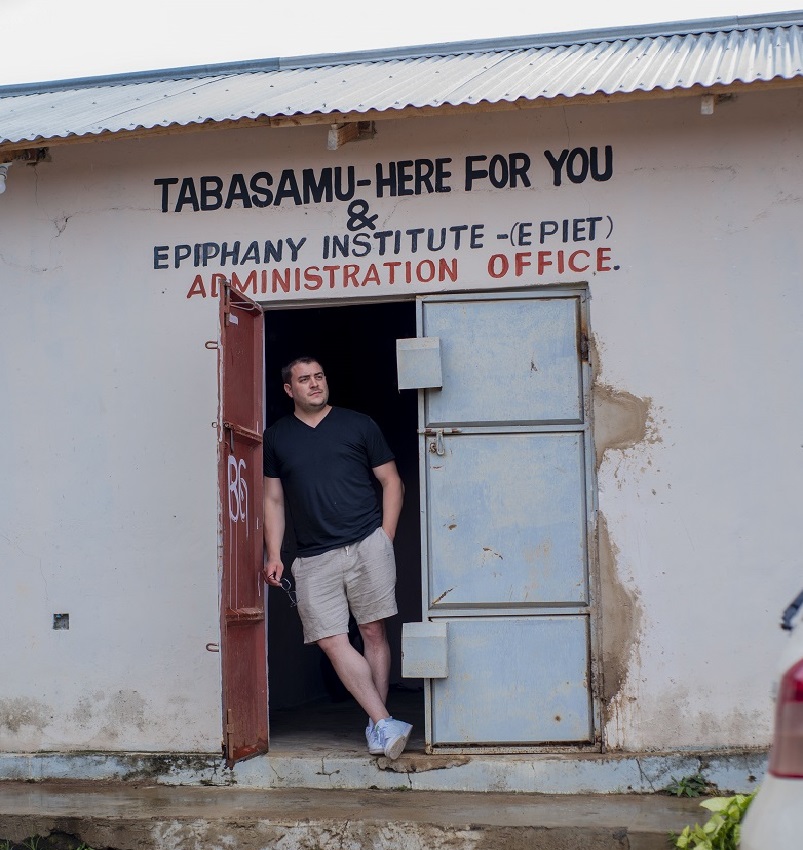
377,654
356,675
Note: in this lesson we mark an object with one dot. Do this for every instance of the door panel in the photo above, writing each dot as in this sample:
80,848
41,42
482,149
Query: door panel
514,680
243,647
506,362
505,468
505,524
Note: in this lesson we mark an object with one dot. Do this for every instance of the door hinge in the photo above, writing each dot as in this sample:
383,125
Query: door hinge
229,733
582,346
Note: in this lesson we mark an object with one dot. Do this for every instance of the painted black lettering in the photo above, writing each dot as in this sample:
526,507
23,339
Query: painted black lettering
232,253
381,236
404,176
473,173
498,171
272,252
442,175
424,169
251,254
294,247
160,256
287,188
431,239
548,228
340,245
382,182
361,244
344,193
238,191
187,195
457,229
211,193
556,164
596,174
165,182
263,196
519,166
181,253
414,233
206,251
322,190
573,172
592,226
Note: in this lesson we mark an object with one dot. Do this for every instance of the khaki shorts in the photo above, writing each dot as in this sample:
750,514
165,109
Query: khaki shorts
360,577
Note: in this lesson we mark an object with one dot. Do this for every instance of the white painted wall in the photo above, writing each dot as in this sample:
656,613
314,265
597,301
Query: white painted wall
108,505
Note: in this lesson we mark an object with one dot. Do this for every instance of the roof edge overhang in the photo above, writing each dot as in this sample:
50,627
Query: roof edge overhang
443,110
692,27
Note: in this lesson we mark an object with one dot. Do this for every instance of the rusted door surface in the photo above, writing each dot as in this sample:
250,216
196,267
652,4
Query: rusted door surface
243,647
504,463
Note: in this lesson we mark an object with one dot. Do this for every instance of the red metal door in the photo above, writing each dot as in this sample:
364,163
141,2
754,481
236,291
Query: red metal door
242,604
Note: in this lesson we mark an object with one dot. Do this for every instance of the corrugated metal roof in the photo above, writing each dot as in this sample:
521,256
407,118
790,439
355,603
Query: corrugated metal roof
609,62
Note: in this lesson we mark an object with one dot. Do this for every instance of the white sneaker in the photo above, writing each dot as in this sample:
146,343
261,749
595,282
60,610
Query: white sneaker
375,747
393,735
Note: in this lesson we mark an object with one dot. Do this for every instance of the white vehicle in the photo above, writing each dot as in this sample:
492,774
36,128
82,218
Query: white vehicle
774,820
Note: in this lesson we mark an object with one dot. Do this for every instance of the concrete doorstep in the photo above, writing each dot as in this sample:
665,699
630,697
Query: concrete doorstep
123,816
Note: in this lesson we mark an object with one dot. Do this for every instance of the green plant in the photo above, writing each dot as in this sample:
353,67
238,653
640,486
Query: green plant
722,830
694,785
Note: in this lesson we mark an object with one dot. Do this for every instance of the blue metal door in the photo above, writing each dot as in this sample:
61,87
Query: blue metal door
506,499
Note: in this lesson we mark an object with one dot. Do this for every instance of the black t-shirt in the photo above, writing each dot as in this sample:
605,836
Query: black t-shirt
326,476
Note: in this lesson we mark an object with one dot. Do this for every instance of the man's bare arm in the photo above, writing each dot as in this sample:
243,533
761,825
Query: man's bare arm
392,496
273,516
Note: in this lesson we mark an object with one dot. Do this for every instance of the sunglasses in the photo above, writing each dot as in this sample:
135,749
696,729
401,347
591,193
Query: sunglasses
288,589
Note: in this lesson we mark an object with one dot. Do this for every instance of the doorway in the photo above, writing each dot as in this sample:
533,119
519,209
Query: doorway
356,345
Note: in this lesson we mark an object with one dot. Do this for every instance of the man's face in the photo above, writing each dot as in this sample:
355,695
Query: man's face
308,387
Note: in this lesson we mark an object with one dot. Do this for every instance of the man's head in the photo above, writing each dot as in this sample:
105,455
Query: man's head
305,383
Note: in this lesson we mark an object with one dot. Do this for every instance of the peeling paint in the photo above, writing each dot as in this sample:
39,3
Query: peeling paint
621,616
621,421
445,592
125,708
18,712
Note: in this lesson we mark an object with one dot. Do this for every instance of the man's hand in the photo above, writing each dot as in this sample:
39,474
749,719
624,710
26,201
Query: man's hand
272,571
273,512
392,496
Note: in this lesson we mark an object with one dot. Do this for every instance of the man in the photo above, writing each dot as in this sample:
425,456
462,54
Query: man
322,458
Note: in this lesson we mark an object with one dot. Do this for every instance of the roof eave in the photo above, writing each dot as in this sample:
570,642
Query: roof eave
442,110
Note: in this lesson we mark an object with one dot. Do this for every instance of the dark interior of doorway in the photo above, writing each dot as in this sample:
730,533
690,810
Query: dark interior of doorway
356,345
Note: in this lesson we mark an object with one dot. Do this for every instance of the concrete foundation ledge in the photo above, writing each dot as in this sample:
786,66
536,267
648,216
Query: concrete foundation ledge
117,816
570,773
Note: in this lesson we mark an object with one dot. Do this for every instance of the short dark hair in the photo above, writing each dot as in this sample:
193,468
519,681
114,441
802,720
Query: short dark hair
287,371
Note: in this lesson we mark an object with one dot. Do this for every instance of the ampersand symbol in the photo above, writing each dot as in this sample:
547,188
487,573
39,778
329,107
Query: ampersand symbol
358,218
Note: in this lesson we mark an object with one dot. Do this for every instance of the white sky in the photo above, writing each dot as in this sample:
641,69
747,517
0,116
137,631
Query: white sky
60,39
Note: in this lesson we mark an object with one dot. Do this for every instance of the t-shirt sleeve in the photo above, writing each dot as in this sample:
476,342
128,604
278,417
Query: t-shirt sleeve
376,446
270,468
